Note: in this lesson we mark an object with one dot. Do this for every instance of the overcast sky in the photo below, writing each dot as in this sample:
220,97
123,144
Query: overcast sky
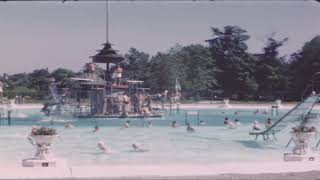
54,34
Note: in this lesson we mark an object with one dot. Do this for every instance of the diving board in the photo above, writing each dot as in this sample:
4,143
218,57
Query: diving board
298,113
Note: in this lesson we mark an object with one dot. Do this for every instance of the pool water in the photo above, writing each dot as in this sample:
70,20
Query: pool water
211,143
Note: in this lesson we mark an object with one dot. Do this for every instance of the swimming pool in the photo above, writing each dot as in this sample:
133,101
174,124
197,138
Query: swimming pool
212,143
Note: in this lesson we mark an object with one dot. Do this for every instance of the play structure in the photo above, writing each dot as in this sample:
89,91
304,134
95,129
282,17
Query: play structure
299,114
108,94
303,118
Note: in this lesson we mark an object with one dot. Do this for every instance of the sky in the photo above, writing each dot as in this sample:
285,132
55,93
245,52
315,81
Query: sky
37,35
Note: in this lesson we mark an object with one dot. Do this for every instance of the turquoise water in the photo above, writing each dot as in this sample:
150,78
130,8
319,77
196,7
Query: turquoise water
212,143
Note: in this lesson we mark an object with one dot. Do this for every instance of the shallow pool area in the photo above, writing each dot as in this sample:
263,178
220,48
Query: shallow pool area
210,143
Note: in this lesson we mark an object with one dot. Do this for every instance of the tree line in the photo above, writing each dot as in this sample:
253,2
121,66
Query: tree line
221,69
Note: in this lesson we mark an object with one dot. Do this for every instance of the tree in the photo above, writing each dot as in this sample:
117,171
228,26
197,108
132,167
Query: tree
162,72
196,69
304,65
63,76
271,68
228,47
136,65
40,81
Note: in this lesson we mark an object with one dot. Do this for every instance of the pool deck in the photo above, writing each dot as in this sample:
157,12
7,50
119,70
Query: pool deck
264,170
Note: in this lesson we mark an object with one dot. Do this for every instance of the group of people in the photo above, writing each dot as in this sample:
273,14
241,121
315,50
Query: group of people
142,103
135,146
190,129
231,123
256,125
107,150
173,97
265,111
138,103
19,99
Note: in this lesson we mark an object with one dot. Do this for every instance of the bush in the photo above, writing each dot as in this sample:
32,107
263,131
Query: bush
43,131
303,129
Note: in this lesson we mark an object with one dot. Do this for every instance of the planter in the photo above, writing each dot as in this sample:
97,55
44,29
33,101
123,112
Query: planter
302,136
43,139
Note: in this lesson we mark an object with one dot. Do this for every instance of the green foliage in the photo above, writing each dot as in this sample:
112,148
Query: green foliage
63,76
163,72
196,69
35,84
136,65
228,47
271,69
304,65
43,131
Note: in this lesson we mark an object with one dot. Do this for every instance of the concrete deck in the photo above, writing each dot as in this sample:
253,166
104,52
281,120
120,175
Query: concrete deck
277,170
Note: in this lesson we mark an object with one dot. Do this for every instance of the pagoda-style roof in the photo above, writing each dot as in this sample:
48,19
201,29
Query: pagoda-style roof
107,55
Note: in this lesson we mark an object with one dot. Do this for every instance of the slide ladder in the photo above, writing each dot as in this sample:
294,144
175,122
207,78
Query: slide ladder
298,113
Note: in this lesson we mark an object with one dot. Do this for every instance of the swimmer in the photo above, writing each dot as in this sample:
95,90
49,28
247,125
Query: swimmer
234,124
137,148
174,124
202,123
145,111
96,128
103,147
126,124
190,128
237,122
149,124
226,121
256,126
265,111
69,125
269,123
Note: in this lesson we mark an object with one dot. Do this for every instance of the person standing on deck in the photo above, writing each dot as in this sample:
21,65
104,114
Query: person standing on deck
141,99
125,103
117,74
164,98
148,102
1,90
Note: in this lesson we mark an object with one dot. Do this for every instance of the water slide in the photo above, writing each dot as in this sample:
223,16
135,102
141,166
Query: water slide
297,114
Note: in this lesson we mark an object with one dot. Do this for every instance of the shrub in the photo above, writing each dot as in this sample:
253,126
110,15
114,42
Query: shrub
43,131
